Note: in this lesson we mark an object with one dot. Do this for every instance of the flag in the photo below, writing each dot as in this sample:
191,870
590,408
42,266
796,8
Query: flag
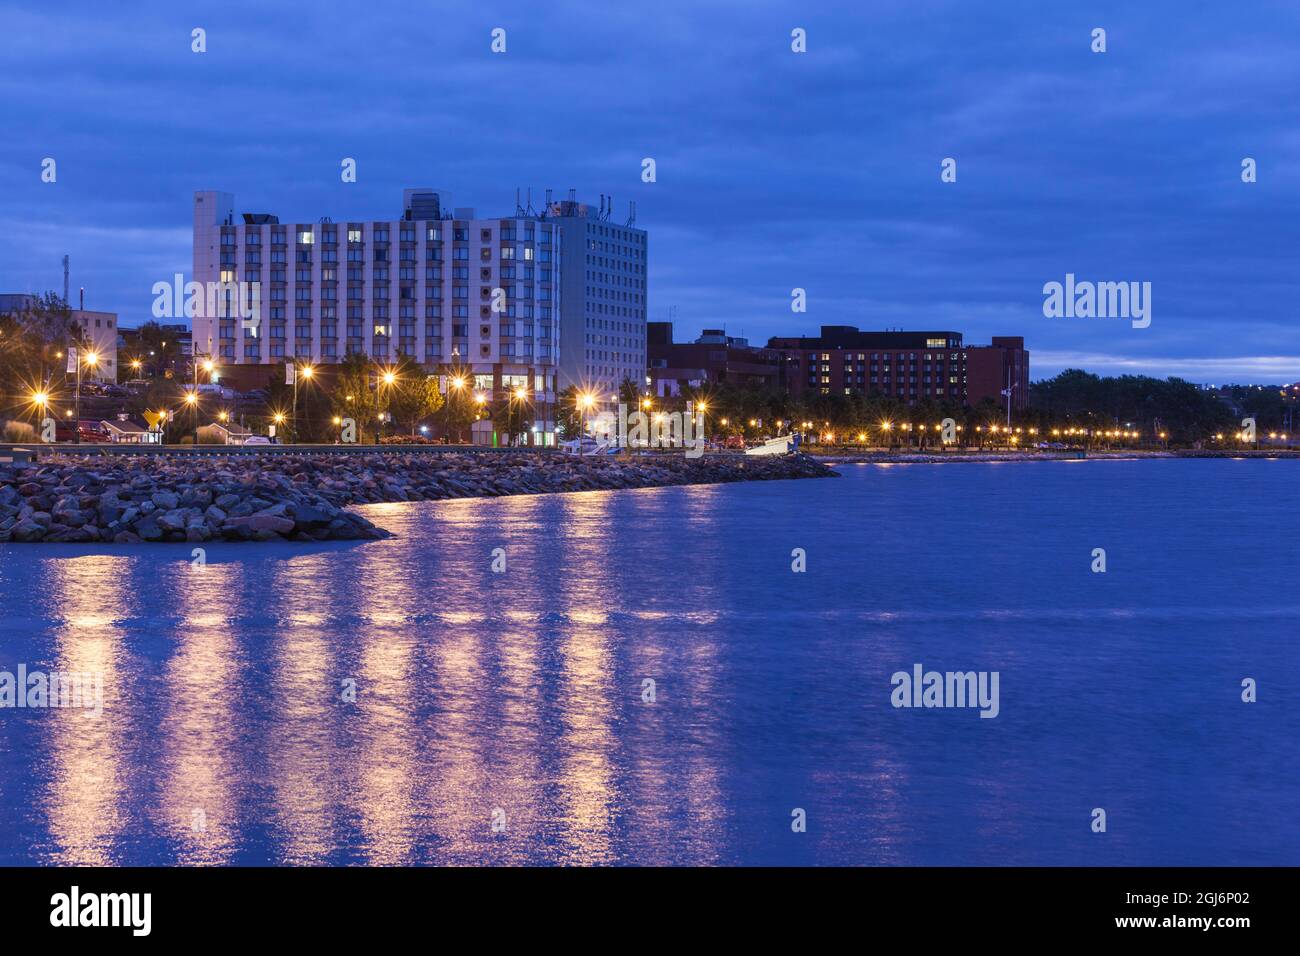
290,373
72,361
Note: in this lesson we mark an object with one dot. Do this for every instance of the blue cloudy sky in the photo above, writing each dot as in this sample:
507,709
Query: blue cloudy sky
775,170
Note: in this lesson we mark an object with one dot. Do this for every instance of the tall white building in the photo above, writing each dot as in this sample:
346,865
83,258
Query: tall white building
452,291
603,305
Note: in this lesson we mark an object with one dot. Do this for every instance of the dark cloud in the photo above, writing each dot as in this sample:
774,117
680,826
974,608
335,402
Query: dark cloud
775,170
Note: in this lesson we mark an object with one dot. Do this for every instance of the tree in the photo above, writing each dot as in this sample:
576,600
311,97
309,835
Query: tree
568,412
32,340
512,417
354,398
629,394
415,394
159,349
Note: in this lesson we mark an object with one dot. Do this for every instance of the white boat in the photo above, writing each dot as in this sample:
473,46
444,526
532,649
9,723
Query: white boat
773,446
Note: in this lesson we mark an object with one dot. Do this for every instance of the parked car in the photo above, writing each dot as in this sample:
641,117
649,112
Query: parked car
90,431
734,441
258,440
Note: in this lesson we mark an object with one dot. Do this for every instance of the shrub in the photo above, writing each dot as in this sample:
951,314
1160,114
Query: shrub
19,432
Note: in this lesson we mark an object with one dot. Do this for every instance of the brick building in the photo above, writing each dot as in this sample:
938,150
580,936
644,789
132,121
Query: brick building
907,366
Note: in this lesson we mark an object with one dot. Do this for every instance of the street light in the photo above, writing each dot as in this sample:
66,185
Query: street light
520,395
456,383
41,400
306,371
585,402
91,360
386,380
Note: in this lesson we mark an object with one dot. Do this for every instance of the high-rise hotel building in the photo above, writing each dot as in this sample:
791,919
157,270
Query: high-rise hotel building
603,305
449,290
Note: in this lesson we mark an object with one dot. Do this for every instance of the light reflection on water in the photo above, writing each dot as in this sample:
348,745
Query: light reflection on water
228,736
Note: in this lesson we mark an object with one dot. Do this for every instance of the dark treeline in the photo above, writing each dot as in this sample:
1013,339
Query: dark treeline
1180,410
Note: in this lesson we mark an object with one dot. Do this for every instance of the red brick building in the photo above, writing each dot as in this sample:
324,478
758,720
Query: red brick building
711,359
907,366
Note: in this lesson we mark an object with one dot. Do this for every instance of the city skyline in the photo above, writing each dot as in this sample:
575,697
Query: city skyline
774,170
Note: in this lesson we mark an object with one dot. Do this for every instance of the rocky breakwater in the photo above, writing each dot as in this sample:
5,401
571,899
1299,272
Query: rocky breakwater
302,497
166,500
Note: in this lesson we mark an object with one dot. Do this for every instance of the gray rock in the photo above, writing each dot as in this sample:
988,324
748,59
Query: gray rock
172,521
27,530
166,500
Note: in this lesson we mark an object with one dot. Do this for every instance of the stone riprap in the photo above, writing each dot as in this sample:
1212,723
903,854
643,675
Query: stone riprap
130,499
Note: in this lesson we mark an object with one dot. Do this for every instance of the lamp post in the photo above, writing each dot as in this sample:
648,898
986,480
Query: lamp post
646,406
192,400
454,383
41,399
585,401
92,360
306,372
520,394
386,381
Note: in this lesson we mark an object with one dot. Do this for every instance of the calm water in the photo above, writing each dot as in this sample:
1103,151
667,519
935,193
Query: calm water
224,738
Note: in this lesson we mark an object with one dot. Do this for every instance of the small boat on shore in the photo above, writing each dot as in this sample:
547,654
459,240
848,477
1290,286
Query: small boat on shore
773,446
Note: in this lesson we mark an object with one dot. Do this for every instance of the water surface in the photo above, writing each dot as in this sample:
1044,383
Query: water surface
518,696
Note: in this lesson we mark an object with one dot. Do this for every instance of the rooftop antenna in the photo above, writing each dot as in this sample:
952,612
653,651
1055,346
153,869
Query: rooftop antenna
573,194
604,217
631,212
65,280
82,306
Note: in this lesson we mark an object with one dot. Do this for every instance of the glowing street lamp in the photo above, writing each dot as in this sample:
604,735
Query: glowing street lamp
585,402
455,383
